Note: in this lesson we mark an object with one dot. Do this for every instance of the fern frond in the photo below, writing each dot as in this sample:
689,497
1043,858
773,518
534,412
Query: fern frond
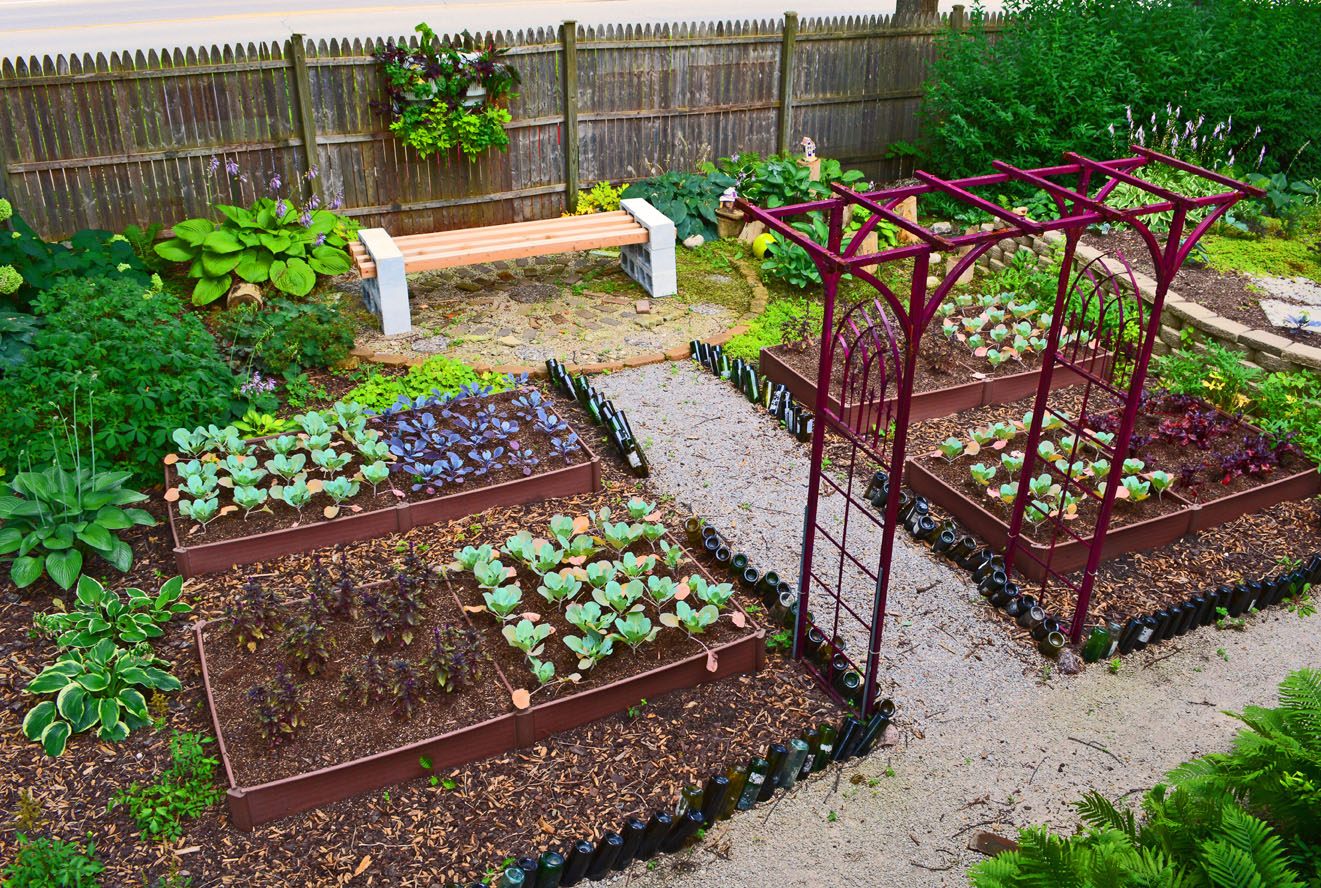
1099,812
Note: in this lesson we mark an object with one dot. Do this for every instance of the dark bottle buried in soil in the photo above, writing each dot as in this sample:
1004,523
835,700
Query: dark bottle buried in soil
1044,628
529,867
723,557
1163,626
512,877
880,496
657,828
769,581
634,829
758,768
607,852
689,797
576,862
1128,637
1052,644
737,776
550,869
876,726
924,529
693,528
1031,617
943,542
1005,594
714,795
776,753
683,832
839,664
750,578
738,562
793,764
849,685
1148,630
989,565
1239,599
1018,604
993,582
962,550
825,748
812,737
877,479
847,729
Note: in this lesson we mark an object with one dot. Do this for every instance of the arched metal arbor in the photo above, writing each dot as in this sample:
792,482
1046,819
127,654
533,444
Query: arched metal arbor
869,354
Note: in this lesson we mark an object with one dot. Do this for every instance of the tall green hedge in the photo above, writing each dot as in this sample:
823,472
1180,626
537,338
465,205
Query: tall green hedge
1063,71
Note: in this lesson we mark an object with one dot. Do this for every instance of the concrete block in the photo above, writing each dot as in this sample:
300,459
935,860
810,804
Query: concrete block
1169,336
1265,341
1190,311
658,225
1223,328
1308,356
1271,362
386,295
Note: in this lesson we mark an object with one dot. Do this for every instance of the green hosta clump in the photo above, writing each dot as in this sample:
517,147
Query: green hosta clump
55,518
94,688
271,240
99,614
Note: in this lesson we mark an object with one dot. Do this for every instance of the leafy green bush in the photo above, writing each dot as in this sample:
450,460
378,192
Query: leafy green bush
688,199
1291,403
146,367
1217,375
183,791
783,318
52,863
100,613
445,375
29,264
272,239
1249,817
287,337
1062,73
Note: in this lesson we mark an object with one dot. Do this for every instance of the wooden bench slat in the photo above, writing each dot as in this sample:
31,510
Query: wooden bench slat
543,232
475,254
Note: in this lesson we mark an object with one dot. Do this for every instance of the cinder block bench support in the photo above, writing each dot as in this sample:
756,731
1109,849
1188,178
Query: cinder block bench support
386,294
651,264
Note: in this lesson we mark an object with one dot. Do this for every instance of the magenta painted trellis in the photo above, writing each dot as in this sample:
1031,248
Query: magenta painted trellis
865,399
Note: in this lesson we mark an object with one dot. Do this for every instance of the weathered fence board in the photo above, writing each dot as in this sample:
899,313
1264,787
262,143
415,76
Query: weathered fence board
104,142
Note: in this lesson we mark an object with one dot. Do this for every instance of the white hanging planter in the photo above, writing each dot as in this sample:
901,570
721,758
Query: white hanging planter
475,96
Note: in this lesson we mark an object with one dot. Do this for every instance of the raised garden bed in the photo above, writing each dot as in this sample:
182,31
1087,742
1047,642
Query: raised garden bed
400,502
1168,429
796,371
322,762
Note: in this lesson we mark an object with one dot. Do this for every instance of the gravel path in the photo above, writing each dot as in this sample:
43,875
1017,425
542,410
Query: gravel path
987,740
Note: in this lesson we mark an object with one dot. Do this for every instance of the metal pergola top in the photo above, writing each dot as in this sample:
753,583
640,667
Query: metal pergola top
1083,209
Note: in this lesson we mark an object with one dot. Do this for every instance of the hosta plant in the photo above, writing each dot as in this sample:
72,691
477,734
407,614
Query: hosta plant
94,688
99,613
53,519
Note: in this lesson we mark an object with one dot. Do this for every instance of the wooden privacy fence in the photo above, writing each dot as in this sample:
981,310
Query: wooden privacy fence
102,143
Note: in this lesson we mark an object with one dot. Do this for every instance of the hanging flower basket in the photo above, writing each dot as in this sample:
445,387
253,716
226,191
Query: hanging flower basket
441,97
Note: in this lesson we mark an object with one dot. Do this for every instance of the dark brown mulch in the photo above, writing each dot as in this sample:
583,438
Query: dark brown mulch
1228,295
395,489
571,785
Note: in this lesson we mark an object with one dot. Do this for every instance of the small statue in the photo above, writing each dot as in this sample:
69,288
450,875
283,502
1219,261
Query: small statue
809,149
727,199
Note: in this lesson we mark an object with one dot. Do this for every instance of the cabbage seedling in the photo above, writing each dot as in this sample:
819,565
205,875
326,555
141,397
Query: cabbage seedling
588,616
983,436
468,557
996,357
717,594
1133,466
341,489
1008,493
619,598
284,445
996,315
673,555
1100,468
591,649
1003,431
243,471
287,467
544,671
661,590
633,567
527,636
582,546
329,461
1160,482
490,574
191,443
1138,490
312,423
317,442
249,498
982,474
639,509
558,588
1013,462
620,536
199,486
951,448
999,333
1041,486
295,495
372,451
1046,450
601,572
546,559
203,511
635,630
502,602
375,474
695,622
520,546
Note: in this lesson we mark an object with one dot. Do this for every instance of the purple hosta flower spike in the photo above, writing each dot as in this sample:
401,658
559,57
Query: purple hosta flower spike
320,239
312,173
1112,129
338,201
1261,156
313,202
232,167
305,218
274,184
281,208
212,165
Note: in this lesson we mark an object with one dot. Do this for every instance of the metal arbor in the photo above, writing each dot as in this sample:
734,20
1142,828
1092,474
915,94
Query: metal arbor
869,356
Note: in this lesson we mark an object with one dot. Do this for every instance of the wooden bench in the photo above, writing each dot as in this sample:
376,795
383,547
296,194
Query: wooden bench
644,235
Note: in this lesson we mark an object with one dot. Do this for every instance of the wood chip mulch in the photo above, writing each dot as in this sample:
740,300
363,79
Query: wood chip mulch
572,785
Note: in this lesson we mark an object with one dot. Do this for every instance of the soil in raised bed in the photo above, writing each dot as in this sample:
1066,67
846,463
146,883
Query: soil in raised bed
1227,294
670,646
333,732
394,490
1209,484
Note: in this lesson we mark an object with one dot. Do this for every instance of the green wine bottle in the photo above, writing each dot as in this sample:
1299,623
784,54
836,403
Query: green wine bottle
682,832
750,578
793,763
550,868
776,753
604,860
825,749
847,737
689,797
738,563
812,737
634,829
737,775
512,877
1098,643
714,795
693,528
658,827
757,771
